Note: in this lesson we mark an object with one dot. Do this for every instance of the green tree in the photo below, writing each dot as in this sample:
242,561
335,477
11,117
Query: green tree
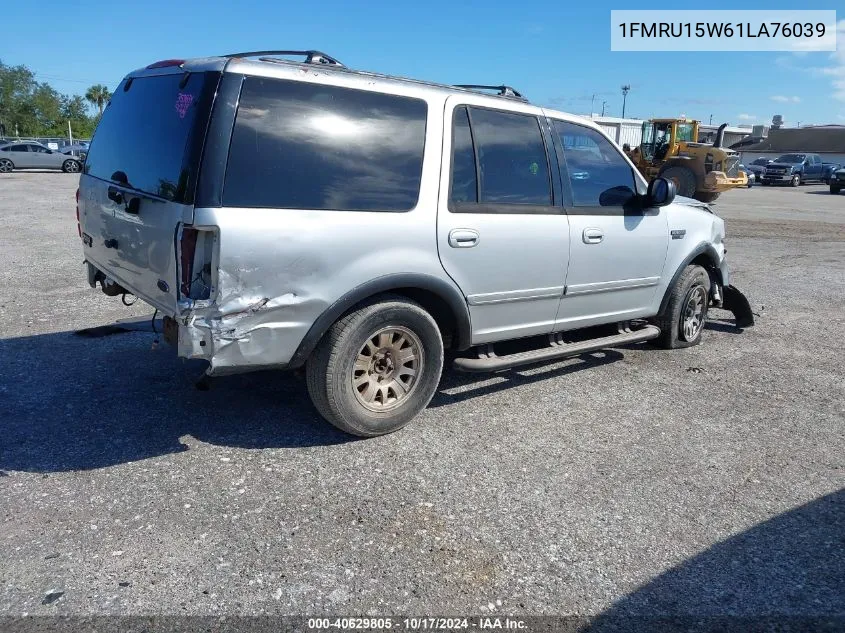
32,108
99,96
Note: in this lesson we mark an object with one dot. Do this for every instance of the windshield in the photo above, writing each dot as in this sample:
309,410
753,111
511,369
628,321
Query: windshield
146,139
791,158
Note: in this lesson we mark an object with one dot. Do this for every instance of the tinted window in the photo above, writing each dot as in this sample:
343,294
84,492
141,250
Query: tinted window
464,178
38,149
20,148
144,138
311,146
598,174
791,158
511,157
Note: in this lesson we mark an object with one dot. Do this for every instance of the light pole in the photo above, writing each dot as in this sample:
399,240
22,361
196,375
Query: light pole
592,101
711,120
603,103
625,90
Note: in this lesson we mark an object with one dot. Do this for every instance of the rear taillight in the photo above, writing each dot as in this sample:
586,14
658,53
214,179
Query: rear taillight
188,247
78,225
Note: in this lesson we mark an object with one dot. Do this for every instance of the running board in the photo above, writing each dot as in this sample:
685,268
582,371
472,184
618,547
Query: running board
557,350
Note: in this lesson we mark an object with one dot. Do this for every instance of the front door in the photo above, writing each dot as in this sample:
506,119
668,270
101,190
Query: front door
617,250
501,232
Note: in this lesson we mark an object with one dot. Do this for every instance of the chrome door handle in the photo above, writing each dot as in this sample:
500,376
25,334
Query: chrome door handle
463,238
592,236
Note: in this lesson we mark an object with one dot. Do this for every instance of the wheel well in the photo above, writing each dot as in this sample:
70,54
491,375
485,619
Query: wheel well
437,307
705,260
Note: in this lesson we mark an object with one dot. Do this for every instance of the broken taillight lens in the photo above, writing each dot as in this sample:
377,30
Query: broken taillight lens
188,247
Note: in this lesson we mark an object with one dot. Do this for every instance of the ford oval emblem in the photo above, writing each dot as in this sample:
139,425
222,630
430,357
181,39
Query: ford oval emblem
162,285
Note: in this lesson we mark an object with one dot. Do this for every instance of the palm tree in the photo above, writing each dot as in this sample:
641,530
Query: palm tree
99,96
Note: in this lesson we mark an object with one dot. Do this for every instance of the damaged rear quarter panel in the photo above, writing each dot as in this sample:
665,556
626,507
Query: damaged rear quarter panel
279,269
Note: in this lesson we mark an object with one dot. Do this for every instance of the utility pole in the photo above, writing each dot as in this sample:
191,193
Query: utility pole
625,90
603,103
711,120
592,101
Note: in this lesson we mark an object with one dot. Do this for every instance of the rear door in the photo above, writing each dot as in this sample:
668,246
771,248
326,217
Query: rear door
501,232
21,156
147,147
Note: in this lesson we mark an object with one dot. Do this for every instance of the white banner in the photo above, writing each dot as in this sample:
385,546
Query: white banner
721,30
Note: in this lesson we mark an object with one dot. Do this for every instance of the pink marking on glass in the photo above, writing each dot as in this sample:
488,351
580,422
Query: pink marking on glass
183,102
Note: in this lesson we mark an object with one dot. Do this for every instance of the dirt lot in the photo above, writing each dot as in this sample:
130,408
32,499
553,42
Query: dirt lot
706,481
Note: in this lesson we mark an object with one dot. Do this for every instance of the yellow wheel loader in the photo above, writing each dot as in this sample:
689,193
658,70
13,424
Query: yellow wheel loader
670,149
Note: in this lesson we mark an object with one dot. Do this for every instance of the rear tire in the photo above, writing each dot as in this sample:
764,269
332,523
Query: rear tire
835,189
376,368
6,166
682,323
684,179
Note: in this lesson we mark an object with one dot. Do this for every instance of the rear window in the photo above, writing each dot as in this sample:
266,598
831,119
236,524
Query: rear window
151,132
310,146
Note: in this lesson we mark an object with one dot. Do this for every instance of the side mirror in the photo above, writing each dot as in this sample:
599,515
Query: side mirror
660,192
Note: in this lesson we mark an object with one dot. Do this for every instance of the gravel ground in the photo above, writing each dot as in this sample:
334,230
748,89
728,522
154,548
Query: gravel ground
706,481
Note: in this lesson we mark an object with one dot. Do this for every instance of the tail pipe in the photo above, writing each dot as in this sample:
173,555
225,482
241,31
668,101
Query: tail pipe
720,135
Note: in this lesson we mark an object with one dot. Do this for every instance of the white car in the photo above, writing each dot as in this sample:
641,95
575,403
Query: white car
32,155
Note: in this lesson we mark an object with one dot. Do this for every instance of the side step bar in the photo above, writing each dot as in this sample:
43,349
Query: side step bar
555,351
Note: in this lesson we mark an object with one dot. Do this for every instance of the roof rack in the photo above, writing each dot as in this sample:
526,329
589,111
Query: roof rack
311,57
501,91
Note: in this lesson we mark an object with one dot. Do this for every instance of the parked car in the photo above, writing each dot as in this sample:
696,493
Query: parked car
758,168
794,170
35,156
837,180
828,169
749,174
359,224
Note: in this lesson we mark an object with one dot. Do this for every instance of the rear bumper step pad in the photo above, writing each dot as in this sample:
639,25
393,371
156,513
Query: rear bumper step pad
553,352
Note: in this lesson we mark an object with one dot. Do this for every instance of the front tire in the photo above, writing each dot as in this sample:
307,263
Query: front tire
796,180
707,196
70,167
682,323
835,189
684,179
376,368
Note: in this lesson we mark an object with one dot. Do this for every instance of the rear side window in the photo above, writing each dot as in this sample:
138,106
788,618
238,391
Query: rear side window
502,156
598,174
298,145
464,177
20,148
151,134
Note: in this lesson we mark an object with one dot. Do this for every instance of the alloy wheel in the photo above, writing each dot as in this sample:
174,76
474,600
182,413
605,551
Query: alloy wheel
387,368
692,316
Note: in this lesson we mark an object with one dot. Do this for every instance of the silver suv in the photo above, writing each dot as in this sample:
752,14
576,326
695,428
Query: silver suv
297,213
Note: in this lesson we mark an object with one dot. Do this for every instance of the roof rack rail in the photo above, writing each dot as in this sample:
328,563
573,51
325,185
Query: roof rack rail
501,91
311,57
